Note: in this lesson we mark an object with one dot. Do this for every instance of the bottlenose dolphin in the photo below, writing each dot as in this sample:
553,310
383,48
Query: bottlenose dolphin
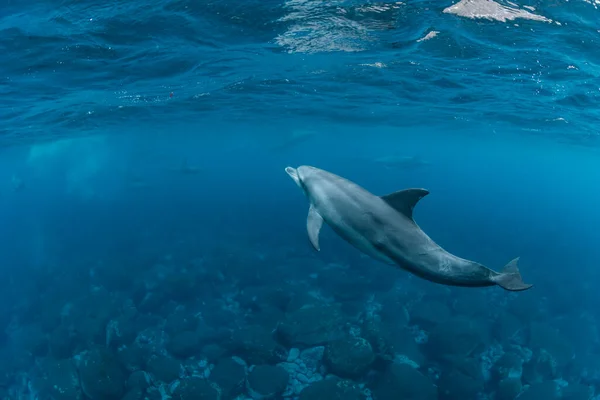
186,169
384,228
17,183
297,138
402,162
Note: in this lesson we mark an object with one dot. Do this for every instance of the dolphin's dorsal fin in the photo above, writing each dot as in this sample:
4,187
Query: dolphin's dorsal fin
314,222
404,201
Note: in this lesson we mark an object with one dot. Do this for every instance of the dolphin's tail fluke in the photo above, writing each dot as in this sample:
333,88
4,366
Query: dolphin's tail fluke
510,277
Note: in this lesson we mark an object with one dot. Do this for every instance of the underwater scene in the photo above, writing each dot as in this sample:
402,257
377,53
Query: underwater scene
300,200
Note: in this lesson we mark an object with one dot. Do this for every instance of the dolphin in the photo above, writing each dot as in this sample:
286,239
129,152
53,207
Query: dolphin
384,228
402,162
297,138
17,183
186,169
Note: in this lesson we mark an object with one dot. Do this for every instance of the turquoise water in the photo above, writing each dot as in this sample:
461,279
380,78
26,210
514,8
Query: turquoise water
153,245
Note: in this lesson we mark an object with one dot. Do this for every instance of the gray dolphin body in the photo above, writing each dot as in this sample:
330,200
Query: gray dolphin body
383,227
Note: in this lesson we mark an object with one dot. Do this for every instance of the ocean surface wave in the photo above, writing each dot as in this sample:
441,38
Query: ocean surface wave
79,66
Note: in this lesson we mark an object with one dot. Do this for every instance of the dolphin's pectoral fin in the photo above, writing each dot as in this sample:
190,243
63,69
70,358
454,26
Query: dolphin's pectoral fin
404,201
314,222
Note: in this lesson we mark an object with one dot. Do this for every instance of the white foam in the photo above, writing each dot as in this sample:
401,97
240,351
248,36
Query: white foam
489,9
318,26
429,36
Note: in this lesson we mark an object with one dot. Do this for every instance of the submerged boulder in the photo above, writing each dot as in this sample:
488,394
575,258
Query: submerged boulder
457,337
195,388
456,385
163,368
185,344
230,375
428,314
58,380
350,357
267,381
577,391
332,389
256,345
102,376
137,381
509,365
401,381
509,389
311,326
548,390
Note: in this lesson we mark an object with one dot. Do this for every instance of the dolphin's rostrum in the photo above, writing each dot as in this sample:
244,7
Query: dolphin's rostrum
384,228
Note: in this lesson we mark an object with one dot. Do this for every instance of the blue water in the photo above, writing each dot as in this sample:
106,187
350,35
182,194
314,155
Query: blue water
153,245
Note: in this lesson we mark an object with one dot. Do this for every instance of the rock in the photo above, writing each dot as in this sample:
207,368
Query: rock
180,321
527,307
185,344
150,301
58,380
576,391
293,354
300,300
230,376
509,389
90,316
257,298
509,365
61,343
342,284
311,326
255,345
267,381
353,309
428,314
213,352
458,336
133,357
468,366
542,367
101,374
30,339
548,390
393,310
312,358
506,327
181,287
350,357
401,381
584,369
580,331
402,344
332,389
152,340
114,278
121,331
267,316
134,394
50,316
473,305
195,388
215,314
392,342
163,369
456,385
137,381
545,337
